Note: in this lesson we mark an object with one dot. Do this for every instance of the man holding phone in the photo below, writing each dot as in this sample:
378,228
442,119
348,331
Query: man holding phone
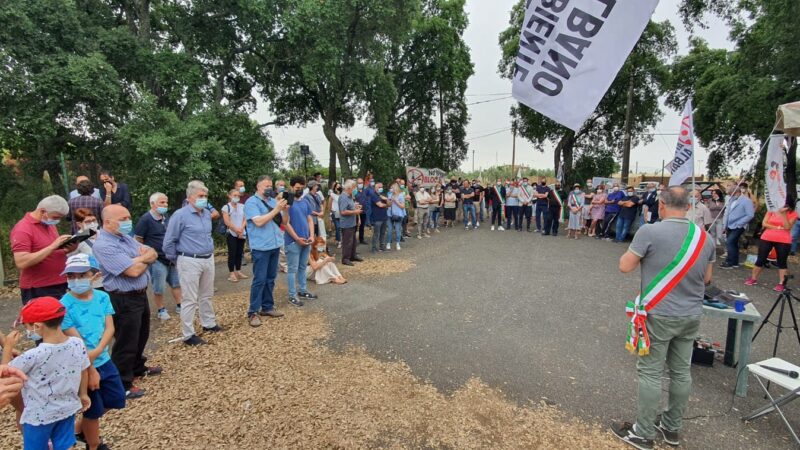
298,238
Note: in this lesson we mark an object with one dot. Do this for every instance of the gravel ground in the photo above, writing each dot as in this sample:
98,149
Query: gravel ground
474,315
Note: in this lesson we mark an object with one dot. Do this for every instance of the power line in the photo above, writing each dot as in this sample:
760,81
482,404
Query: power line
489,101
488,95
489,134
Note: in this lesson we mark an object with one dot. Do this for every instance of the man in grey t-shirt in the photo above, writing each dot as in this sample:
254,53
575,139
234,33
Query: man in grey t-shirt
672,324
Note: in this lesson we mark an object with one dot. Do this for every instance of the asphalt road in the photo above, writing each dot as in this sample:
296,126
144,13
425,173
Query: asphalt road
540,318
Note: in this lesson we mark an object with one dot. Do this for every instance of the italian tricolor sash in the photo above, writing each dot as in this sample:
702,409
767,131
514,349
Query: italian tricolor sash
560,205
659,287
574,202
499,195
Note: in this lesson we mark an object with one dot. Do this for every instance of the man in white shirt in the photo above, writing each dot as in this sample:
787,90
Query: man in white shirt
423,200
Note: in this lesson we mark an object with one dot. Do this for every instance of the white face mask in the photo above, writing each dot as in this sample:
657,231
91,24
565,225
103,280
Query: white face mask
615,189
321,249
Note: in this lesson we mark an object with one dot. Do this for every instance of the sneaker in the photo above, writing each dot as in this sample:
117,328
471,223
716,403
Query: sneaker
163,314
254,321
436,230
307,295
151,371
178,309
339,245
398,246
477,224
296,301
727,266
466,227
779,287
388,246
537,231
194,341
419,237
750,282
214,329
670,437
625,432
134,393
501,229
492,228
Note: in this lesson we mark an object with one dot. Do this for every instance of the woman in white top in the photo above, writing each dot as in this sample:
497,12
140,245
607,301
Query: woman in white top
86,222
333,195
321,267
233,216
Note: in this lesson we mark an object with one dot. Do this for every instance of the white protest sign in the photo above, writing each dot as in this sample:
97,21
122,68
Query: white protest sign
571,51
424,177
775,193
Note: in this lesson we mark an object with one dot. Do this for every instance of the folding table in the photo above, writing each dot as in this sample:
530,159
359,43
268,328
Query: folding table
792,385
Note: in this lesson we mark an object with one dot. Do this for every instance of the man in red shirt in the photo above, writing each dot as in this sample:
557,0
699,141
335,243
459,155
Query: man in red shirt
35,243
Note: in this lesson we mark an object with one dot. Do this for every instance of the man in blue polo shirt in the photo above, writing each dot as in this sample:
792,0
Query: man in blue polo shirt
378,203
612,211
542,204
263,214
298,238
150,230
188,243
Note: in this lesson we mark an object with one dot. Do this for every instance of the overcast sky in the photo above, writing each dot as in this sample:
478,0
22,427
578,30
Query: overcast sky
487,20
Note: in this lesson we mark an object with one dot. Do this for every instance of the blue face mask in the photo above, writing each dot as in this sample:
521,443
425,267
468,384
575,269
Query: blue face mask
380,190
32,335
51,221
281,188
80,285
241,189
360,186
162,209
125,227
201,203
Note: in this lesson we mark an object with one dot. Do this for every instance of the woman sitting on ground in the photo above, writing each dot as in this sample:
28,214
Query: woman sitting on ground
321,267
777,235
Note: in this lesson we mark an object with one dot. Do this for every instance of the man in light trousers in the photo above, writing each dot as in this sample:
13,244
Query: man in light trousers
188,242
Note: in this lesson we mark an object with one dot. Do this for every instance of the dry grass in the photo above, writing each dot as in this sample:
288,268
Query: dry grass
279,386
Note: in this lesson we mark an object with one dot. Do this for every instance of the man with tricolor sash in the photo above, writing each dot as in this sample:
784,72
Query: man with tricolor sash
676,258
497,195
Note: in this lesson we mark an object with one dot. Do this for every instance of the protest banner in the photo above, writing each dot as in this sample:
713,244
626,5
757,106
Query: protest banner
682,165
775,193
424,177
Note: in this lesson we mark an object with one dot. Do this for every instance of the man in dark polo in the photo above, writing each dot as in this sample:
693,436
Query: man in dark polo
124,263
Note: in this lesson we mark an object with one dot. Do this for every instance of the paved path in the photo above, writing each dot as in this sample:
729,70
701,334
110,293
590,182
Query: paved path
540,318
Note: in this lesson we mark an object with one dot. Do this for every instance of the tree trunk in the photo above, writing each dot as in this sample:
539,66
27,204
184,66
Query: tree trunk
143,11
626,145
336,150
564,147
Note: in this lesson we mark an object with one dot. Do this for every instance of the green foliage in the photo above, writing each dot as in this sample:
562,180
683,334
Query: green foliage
292,163
377,157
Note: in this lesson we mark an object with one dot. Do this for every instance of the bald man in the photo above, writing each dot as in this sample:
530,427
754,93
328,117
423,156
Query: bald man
124,263
74,193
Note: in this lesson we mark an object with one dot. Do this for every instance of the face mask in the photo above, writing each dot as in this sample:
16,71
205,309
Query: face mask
372,183
125,227
50,222
241,189
32,335
201,203
321,249
498,183
630,193
577,191
449,191
360,186
90,226
652,189
298,193
161,210
235,200
79,285
599,191
380,190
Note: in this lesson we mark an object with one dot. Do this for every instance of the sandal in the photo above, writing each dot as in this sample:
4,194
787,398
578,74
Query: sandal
241,276
233,279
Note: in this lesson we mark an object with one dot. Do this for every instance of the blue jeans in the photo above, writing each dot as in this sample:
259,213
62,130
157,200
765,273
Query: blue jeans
732,246
161,274
434,218
265,269
336,227
396,228
541,211
623,227
795,236
469,211
296,260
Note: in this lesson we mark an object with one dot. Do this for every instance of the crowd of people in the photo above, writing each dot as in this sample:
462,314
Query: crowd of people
88,290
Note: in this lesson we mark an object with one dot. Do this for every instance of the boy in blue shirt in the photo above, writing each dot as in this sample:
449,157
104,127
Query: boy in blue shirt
88,317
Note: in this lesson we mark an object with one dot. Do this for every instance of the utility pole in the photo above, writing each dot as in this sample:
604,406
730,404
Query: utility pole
663,165
514,148
626,143
473,160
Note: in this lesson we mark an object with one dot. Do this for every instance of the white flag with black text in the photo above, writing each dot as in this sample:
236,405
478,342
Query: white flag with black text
682,165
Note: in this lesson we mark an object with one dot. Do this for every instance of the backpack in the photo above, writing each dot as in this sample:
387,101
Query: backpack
221,228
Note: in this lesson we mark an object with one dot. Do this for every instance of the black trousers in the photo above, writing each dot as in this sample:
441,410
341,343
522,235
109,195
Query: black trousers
362,222
349,243
781,249
131,332
525,211
497,213
551,220
235,253
56,290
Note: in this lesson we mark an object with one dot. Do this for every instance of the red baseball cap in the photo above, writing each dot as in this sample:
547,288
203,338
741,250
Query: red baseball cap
42,309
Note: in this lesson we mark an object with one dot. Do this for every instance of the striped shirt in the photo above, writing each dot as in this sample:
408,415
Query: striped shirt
115,255
85,201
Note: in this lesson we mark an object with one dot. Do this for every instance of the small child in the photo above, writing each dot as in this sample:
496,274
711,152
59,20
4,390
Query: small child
88,317
57,377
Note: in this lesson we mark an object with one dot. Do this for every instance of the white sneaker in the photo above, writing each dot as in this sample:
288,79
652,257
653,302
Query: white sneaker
492,228
469,224
388,246
501,228
398,246
419,236
163,314
477,224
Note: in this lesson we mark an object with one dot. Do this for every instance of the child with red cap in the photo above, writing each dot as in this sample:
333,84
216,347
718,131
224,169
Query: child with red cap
89,317
57,377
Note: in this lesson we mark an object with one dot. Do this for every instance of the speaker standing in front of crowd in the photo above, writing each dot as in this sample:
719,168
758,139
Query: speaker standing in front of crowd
37,250
124,263
673,322
189,244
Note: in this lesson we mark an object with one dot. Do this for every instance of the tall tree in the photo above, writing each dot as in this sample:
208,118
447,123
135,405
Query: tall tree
737,93
639,84
332,52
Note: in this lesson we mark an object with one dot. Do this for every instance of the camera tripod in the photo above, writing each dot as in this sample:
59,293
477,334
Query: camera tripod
785,298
